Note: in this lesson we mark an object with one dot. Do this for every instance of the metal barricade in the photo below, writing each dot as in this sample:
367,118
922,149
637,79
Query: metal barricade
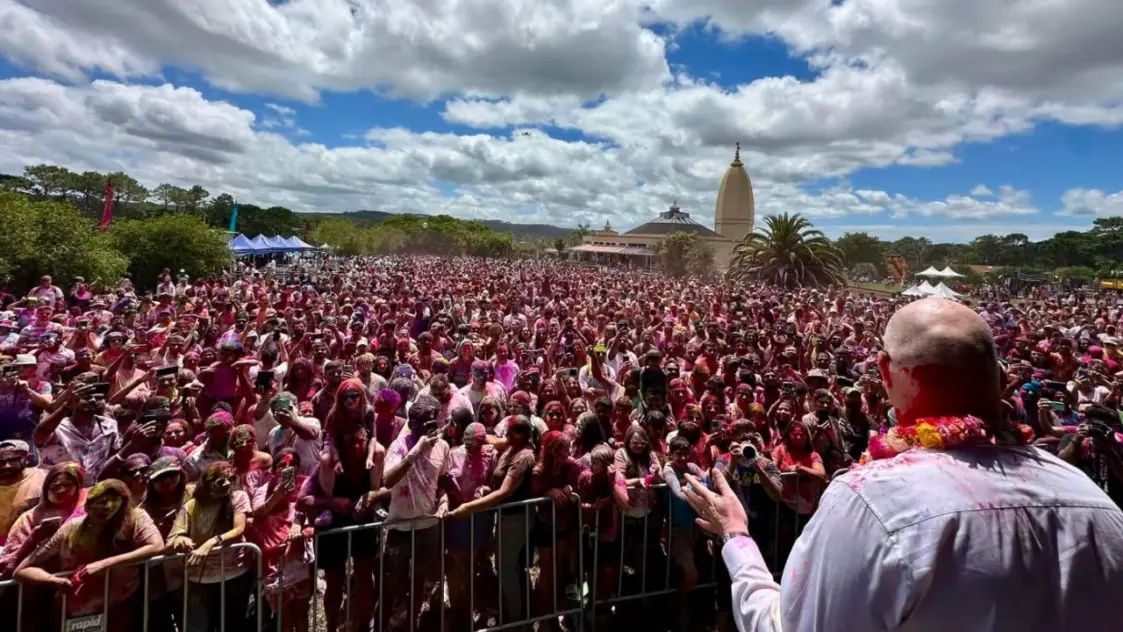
658,538
126,605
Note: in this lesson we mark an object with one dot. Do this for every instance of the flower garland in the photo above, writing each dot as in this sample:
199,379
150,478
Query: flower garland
943,433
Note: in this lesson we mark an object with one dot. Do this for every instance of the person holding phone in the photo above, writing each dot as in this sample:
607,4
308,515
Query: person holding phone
286,548
415,463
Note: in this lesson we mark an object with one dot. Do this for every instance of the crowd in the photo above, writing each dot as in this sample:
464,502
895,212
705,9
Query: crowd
516,412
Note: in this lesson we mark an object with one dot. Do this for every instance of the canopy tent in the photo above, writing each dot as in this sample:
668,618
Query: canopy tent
914,291
925,289
261,246
929,272
300,243
277,243
948,273
241,246
944,291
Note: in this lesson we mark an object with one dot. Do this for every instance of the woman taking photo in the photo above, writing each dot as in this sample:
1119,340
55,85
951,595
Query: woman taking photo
510,483
112,533
287,553
62,497
214,517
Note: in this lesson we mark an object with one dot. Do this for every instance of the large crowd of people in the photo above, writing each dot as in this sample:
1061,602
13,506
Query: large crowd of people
497,420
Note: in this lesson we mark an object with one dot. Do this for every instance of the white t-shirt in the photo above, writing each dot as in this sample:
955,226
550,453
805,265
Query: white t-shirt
415,495
307,449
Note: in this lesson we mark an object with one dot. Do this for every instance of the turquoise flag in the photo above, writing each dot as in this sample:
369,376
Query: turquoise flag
234,218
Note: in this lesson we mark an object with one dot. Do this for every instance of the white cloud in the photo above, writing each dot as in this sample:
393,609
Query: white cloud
1092,202
981,190
300,47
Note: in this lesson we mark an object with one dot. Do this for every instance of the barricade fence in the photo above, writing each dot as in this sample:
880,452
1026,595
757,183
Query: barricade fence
512,566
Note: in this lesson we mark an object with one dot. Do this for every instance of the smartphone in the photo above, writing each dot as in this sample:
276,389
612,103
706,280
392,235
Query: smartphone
51,523
572,371
1055,385
264,379
844,381
431,427
288,476
1057,407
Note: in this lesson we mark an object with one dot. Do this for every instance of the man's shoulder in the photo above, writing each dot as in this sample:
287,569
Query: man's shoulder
924,484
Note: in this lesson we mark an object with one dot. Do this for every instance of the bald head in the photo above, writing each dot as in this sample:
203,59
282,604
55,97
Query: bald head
940,359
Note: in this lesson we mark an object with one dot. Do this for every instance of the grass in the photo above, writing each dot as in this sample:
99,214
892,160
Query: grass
879,288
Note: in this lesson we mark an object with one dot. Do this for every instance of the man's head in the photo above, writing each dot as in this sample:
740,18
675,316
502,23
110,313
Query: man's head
939,359
13,460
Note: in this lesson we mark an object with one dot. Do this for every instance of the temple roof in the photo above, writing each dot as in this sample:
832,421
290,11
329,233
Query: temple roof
671,221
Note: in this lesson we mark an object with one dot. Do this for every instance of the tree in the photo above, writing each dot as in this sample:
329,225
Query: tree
127,190
862,248
988,249
559,245
90,186
682,253
914,250
788,252
863,270
194,198
48,180
577,236
166,193
52,237
173,241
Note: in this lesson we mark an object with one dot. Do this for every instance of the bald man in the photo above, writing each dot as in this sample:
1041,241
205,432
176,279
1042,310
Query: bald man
990,537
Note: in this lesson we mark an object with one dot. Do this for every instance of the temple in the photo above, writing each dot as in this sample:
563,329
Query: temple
733,219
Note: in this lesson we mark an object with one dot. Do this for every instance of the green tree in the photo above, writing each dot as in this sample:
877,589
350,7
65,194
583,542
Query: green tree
682,253
127,190
862,248
577,236
52,237
166,194
864,270
789,252
174,241
913,249
49,180
195,197
90,188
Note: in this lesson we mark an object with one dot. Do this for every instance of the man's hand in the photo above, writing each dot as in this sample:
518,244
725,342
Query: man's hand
719,513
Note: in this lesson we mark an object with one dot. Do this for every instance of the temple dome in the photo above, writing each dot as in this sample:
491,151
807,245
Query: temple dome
735,209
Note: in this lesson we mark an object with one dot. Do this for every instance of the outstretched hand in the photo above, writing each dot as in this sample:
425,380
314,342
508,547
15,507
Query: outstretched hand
719,513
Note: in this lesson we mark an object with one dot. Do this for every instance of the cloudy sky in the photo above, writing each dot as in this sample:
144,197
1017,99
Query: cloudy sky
943,118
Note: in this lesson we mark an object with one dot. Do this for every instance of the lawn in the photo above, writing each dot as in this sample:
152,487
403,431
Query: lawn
880,288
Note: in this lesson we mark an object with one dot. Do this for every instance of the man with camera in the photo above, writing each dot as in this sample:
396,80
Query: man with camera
23,397
1095,448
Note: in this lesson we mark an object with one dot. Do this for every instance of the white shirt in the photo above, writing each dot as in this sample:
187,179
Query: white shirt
987,538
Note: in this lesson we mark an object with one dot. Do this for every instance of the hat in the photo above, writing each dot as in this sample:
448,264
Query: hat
15,444
1110,341
164,465
819,373
24,359
403,370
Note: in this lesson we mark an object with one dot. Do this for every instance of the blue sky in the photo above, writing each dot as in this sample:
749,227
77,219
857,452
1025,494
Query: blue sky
897,116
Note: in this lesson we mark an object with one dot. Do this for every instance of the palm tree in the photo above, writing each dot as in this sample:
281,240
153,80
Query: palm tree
787,252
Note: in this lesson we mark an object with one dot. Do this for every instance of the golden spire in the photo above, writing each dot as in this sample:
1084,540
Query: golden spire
737,157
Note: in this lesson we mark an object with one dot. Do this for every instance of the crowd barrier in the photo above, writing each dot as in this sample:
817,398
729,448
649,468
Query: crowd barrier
395,575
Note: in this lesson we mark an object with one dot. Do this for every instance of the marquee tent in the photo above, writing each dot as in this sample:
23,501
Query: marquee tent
929,272
944,291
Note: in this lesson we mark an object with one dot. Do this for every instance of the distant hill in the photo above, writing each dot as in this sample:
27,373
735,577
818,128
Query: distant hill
521,232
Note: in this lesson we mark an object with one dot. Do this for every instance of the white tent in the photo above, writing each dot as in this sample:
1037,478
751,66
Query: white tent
914,291
930,272
944,291
948,273
925,289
